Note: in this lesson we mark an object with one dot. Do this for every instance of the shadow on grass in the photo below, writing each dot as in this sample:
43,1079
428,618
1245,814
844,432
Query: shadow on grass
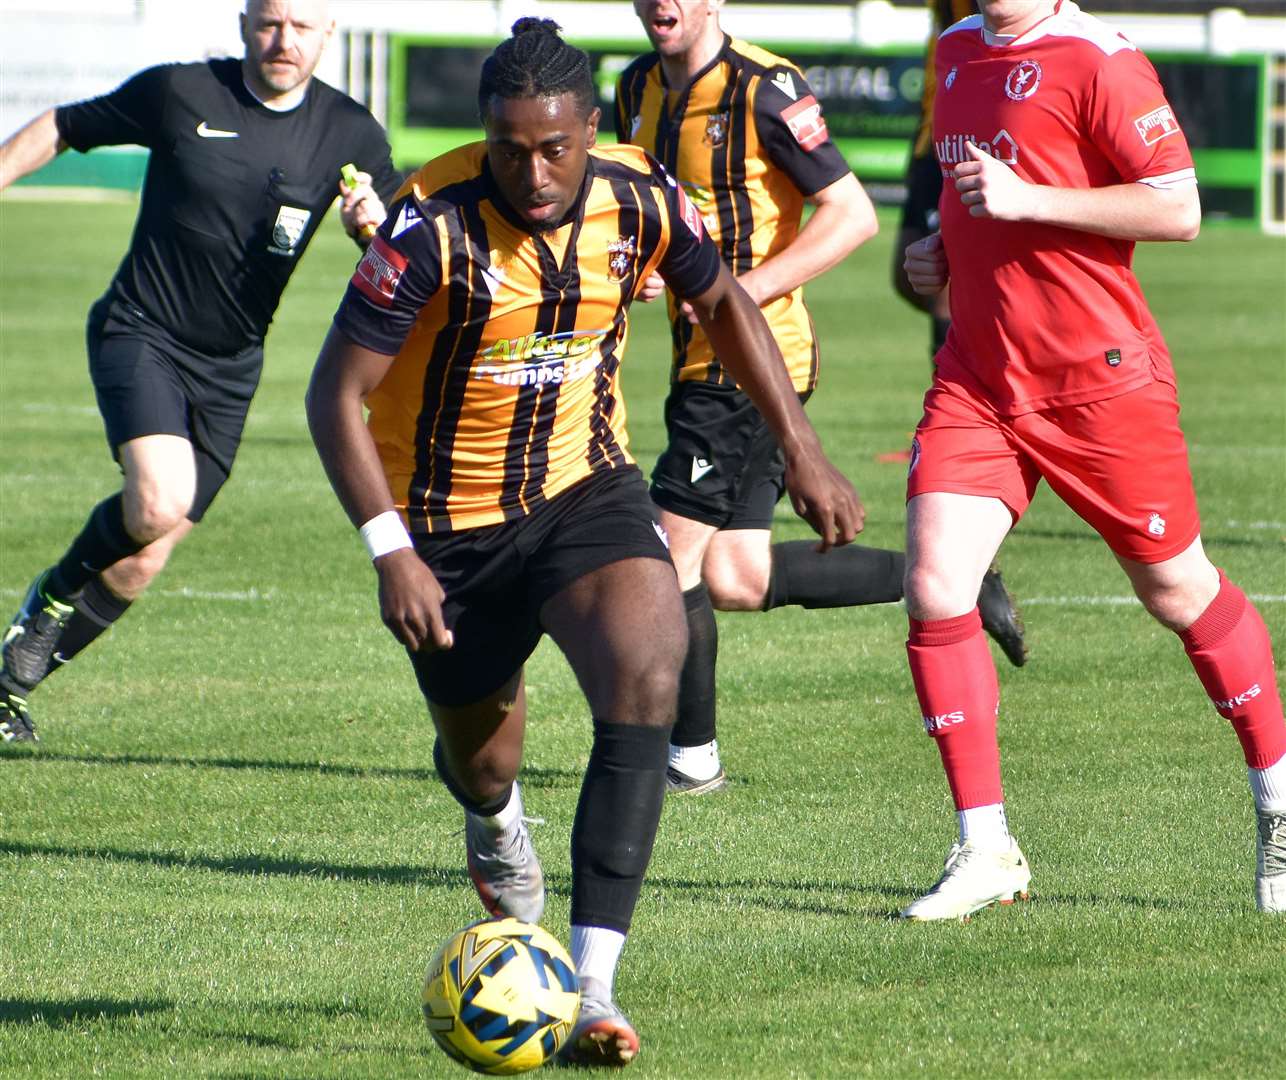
254,865
1208,539
531,776
58,1014
771,895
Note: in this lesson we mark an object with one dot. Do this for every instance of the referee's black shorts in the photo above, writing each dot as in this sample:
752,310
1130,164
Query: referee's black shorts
497,577
148,383
722,465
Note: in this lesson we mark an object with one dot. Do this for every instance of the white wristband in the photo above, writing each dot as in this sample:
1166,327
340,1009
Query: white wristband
384,533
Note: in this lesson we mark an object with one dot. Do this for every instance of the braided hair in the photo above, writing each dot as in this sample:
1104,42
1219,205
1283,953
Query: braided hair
536,62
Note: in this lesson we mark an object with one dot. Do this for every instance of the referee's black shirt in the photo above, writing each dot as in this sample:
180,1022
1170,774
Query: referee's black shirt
233,194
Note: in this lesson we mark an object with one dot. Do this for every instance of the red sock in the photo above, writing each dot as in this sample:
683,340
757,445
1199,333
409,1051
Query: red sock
955,680
1229,648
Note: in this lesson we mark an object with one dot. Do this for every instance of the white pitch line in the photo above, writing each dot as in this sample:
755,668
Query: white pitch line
247,596
1116,601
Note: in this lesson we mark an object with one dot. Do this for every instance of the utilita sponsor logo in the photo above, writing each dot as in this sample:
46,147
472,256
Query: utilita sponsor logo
951,149
1240,699
934,724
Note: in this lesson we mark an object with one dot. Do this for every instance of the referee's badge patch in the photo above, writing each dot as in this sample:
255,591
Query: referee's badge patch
288,229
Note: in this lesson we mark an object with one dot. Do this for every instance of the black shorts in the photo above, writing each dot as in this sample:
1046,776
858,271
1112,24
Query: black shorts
722,465
497,578
923,190
149,384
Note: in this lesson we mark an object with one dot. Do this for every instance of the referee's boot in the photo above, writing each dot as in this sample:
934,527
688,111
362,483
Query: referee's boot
1000,618
32,637
15,720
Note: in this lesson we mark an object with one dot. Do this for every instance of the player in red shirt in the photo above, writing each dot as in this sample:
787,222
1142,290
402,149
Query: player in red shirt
1060,151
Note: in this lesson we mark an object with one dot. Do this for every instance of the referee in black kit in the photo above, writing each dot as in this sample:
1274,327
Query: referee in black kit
245,158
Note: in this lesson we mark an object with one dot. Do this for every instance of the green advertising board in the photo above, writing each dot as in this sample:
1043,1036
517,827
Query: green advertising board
871,98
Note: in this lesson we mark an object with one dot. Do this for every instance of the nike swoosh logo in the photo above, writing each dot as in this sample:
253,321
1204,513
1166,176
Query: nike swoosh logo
206,132
699,468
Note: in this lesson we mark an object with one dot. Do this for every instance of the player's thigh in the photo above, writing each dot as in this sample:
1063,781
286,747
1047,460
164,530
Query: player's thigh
967,483
1122,466
609,596
689,541
494,626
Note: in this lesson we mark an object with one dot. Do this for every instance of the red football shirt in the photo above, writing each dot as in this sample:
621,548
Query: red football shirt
1043,316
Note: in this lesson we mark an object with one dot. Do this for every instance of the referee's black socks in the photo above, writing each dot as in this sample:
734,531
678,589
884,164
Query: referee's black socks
102,542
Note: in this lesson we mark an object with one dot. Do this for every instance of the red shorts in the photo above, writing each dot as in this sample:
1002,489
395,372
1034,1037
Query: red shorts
1121,464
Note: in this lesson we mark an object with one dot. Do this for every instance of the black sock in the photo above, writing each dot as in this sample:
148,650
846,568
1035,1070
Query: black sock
842,577
616,820
102,542
694,722
458,793
97,608
940,328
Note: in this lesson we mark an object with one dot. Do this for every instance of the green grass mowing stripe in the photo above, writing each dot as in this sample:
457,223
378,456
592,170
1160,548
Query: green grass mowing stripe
229,856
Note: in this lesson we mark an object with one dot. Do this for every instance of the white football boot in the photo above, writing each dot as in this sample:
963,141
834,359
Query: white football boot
1270,861
974,878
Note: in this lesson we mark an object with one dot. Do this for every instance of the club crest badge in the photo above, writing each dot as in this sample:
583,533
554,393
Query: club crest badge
288,229
716,129
620,258
951,77
1023,80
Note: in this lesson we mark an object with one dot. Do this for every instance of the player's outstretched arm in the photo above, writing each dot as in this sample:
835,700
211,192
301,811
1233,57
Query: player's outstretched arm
843,220
736,328
30,148
345,373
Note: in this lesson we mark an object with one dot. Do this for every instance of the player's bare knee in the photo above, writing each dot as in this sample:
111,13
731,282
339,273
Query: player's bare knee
646,684
732,594
932,593
149,517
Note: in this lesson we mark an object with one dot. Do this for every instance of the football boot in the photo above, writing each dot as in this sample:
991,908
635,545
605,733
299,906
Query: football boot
15,720
974,878
1270,861
504,869
602,1035
1000,618
32,637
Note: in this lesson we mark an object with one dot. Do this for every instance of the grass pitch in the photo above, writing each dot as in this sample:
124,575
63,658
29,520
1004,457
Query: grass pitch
230,857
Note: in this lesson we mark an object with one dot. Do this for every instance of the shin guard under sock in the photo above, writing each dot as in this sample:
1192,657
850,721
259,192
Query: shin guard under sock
842,577
97,609
955,681
616,819
694,724
1230,650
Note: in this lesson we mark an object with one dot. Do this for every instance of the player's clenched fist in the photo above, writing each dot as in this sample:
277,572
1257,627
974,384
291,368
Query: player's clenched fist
990,188
926,265
823,497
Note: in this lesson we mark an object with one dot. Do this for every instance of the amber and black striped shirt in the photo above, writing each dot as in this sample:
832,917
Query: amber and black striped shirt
747,140
504,388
